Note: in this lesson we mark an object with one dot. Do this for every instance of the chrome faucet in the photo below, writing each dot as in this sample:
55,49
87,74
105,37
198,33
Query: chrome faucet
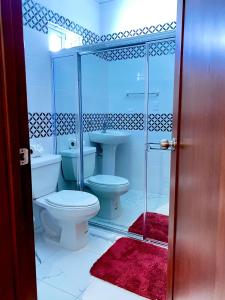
104,127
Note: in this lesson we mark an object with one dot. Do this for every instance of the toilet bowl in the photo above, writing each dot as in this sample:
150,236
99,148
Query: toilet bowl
71,211
65,214
108,189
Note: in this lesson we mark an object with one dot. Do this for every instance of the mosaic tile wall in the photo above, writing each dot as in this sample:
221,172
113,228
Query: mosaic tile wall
131,52
37,16
46,124
138,32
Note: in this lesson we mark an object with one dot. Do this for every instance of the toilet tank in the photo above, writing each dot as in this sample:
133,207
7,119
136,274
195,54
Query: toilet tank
45,173
70,162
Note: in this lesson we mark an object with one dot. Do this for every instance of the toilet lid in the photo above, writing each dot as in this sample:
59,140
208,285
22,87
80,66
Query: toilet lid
68,198
108,180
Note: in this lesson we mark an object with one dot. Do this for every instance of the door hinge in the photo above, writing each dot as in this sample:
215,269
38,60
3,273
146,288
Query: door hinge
24,154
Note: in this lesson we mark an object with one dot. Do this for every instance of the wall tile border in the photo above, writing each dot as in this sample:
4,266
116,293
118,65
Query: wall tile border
41,124
37,16
138,32
156,49
47,124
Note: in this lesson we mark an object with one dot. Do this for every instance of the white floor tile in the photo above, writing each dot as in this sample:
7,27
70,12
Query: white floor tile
46,292
104,234
64,275
44,250
48,270
98,245
69,271
101,290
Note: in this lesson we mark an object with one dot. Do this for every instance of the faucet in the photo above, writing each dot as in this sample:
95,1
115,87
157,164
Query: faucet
104,127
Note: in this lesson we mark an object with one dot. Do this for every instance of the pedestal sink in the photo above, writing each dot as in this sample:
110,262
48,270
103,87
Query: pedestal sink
109,141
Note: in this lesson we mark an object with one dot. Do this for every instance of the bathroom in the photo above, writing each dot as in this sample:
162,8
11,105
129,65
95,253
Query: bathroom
100,85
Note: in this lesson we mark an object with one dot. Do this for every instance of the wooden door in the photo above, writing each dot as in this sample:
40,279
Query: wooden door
197,232
17,262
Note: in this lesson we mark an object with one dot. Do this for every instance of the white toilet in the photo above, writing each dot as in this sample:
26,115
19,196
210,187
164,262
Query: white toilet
107,188
65,214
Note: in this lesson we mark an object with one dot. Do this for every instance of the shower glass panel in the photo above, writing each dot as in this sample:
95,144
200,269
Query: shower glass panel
159,112
65,77
117,98
113,101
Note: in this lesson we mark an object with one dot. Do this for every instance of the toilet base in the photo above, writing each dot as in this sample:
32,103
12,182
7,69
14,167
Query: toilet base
73,236
110,207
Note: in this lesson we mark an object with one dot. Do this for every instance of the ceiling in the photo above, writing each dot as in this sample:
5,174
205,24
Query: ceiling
103,1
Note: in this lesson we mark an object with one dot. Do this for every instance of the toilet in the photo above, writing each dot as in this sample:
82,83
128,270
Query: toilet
64,215
107,188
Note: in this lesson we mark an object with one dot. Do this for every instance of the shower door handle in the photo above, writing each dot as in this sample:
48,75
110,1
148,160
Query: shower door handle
168,145
164,144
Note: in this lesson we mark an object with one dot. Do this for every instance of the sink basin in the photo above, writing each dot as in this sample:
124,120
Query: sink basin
111,137
109,141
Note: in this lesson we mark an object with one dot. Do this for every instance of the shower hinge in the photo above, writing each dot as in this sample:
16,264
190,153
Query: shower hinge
24,154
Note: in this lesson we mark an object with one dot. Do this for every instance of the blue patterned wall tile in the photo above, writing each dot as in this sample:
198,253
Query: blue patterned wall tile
66,123
41,124
160,122
131,52
123,121
47,124
138,32
92,122
37,16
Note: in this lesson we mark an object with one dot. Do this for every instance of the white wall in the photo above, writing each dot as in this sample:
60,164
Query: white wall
83,12
37,55
123,78
94,84
121,15
107,17
38,77
105,85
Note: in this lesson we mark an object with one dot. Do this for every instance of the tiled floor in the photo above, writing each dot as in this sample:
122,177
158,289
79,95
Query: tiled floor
133,205
64,275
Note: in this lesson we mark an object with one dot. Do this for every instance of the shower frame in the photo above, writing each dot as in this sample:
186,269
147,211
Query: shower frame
77,53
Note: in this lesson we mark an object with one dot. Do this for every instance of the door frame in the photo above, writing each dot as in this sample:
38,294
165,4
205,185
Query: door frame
16,223
15,185
174,177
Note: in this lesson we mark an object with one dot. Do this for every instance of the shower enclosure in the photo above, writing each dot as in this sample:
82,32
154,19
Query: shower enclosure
122,89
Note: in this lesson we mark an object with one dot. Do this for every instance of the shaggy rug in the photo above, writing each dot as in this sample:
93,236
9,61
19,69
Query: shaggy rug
135,266
156,226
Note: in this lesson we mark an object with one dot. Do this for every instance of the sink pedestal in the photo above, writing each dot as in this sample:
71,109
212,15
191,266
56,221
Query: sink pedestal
109,141
109,159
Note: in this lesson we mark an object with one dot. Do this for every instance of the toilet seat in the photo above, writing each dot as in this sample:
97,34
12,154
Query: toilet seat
71,199
65,217
107,181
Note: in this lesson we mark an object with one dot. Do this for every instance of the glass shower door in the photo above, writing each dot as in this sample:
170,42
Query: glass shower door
113,103
158,130
66,110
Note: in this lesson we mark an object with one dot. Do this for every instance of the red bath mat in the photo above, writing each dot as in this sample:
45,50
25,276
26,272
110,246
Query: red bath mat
156,226
135,266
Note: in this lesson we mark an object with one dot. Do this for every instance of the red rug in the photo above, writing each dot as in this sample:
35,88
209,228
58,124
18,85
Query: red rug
156,226
135,266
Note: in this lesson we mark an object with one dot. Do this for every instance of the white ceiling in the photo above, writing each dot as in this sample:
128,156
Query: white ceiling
103,1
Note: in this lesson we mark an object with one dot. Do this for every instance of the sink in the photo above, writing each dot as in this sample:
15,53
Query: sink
109,141
109,137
